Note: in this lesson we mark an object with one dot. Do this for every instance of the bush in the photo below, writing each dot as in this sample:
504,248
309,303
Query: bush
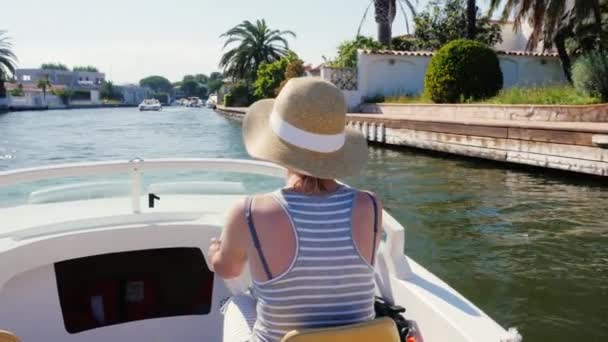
463,70
228,100
239,96
294,69
590,75
347,51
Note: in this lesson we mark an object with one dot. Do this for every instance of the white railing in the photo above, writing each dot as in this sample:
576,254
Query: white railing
136,168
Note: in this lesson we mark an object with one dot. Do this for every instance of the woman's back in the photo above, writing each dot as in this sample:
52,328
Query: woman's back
322,279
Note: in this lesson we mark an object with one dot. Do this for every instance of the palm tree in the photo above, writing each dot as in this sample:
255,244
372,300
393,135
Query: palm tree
257,44
385,13
7,61
552,21
471,19
44,84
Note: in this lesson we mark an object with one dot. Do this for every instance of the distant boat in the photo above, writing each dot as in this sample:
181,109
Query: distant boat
150,105
212,101
195,102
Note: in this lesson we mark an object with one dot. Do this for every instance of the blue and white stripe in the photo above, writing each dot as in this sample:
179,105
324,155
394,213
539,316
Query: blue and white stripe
329,282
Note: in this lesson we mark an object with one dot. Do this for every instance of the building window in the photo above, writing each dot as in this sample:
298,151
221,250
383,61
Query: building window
27,77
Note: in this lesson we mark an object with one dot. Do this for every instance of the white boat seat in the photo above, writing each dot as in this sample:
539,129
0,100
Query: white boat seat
7,336
379,330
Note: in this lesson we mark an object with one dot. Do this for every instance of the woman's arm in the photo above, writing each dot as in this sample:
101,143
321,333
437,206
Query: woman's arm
229,255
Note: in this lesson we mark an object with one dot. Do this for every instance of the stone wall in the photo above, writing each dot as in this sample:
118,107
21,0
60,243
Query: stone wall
543,145
571,146
588,113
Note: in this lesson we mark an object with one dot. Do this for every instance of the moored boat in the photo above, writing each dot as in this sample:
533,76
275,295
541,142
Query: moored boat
118,260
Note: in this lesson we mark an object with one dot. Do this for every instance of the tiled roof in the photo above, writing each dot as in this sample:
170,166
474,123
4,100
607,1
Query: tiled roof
430,53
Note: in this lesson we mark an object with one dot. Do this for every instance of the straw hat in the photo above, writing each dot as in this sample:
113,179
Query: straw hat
304,130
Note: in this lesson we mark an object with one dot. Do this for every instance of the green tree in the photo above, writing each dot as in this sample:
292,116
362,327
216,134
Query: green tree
471,19
215,82
256,44
7,61
270,76
109,92
189,87
89,68
54,66
44,84
158,84
385,12
347,51
294,69
555,22
446,20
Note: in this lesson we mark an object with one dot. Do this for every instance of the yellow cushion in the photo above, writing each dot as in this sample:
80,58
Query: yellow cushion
378,330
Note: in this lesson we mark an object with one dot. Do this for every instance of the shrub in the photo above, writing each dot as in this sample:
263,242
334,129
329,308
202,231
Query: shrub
463,70
590,75
64,94
294,69
269,78
228,100
240,96
347,51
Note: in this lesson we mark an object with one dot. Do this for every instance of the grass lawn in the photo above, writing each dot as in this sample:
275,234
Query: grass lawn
550,95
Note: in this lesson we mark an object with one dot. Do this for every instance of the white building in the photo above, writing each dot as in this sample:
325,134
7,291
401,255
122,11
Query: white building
397,73
133,94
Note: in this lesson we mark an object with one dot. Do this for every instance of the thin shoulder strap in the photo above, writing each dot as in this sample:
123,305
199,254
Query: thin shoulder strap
254,236
375,225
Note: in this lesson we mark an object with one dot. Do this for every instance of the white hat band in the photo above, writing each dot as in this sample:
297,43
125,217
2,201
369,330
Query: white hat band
324,143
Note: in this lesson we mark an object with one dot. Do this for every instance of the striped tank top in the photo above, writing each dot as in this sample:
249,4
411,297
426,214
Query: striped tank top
329,283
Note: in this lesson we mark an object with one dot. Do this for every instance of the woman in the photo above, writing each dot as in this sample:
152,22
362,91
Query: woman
310,246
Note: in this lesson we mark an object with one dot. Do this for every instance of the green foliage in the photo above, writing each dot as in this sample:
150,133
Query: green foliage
158,84
64,94
294,69
109,92
463,70
215,82
7,58
446,20
239,96
257,44
347,51
269,78
590,75
194,85
271,75
405,43
18,91
544,95
228,100
88,68
54,66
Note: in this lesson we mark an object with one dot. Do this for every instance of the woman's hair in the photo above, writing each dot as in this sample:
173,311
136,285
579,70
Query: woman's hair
310,184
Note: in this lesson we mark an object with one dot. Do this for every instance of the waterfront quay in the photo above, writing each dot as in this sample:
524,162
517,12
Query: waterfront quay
568,138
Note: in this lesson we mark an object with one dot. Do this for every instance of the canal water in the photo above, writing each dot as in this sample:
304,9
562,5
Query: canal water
529,248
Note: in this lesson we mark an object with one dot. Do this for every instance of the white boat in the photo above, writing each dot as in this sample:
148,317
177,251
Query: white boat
211,101
78,266
150,104
195,102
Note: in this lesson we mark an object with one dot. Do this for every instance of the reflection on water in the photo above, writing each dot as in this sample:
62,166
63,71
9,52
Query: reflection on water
529,249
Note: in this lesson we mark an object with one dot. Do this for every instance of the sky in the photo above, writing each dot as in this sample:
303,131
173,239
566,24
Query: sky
129,39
